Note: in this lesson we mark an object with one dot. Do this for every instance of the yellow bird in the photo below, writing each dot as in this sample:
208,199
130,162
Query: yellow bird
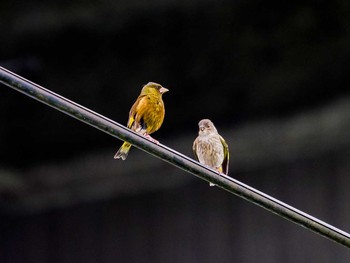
210,148
146,115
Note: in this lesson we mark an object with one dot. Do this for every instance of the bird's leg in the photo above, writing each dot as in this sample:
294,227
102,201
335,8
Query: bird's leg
220,172
151,139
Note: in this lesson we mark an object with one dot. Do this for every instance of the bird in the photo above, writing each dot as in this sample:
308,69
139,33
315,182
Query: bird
210,148
146,115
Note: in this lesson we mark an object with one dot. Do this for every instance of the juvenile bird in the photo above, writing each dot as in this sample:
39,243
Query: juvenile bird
210,148
146,115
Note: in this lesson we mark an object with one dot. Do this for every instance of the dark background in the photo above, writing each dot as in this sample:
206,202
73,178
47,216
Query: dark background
273,77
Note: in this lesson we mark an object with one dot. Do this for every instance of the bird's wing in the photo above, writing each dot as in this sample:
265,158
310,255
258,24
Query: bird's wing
131,121
226,161
136,109
194,147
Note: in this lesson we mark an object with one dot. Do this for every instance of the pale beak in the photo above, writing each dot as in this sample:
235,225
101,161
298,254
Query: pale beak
163,90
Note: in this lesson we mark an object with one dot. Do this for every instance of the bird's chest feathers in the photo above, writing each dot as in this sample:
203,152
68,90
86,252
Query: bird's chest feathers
151,114
210,150
158,106
155,109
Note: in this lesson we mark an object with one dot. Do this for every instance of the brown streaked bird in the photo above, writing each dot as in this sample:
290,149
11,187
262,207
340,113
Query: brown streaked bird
210,148
146,115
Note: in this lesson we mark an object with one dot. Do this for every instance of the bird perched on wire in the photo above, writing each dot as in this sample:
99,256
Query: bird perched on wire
146,115
210,148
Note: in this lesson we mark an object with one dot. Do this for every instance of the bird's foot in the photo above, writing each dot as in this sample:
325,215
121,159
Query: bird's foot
220,172
151,139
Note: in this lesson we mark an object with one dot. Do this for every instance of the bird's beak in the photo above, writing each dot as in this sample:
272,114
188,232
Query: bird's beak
201,128
163,90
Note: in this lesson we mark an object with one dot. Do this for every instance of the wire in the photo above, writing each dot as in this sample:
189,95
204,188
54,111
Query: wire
173,157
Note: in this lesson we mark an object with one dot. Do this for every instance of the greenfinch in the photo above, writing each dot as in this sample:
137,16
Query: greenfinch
210,148
146,115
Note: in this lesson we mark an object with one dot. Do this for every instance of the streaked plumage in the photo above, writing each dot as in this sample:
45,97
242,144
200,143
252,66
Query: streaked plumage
210,148
146,115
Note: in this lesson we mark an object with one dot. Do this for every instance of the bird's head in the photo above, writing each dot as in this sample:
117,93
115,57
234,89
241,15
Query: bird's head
153,88
206,127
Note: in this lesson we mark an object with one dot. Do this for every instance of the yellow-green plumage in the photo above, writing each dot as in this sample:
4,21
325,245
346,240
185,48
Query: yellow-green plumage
146,115
210,148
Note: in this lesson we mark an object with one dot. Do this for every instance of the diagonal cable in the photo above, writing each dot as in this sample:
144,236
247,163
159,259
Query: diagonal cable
169,155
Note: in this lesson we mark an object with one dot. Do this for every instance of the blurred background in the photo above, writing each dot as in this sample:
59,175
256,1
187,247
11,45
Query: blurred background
274,78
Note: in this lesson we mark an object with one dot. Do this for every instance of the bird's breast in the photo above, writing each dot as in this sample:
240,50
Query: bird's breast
210,151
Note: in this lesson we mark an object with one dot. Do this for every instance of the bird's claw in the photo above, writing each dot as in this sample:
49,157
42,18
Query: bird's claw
220,172
151,139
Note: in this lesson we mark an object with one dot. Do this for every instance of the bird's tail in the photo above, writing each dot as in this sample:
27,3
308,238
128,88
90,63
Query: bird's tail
123,151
